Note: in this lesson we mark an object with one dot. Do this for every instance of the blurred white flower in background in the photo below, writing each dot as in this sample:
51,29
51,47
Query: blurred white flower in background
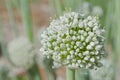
74,41
21,52
104,73
84,8
97,10
87,8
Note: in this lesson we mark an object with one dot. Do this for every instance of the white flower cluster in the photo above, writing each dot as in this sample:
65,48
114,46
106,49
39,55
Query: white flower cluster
74,41
21,52
86,8
104,73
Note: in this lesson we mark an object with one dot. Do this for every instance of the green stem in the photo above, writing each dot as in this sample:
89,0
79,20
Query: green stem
16,3
114,63
51,75
13,78
12,17
3,41
19,77
34,73
116,38
57,6
70,74
82,74
27,19
87,76
50,72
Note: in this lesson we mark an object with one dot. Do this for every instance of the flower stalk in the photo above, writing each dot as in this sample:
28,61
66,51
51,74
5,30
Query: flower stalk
58,7
12,17
70,74
48,63
82,74
51,75
26,17
34,73
2,40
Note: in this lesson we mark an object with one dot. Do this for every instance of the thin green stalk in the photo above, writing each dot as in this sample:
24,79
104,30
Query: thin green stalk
16,3
82,74
19,77
3,74
117,36
34,73
108,23
13,78
70,74
117,6
12,17
114,65
79,74
57,7
73,4
51,75
50,72
3,41
27,19
69,3
87,75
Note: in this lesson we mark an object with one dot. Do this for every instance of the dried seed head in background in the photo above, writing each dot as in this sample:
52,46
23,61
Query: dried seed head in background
21,52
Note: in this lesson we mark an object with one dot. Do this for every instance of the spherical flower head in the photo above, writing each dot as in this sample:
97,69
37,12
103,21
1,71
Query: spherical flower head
21,52
74,41
103,73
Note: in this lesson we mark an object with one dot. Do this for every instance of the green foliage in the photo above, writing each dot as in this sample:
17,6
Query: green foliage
27,19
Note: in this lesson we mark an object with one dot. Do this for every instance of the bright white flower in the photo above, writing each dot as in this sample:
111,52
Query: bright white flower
69,44
21,52
103,73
